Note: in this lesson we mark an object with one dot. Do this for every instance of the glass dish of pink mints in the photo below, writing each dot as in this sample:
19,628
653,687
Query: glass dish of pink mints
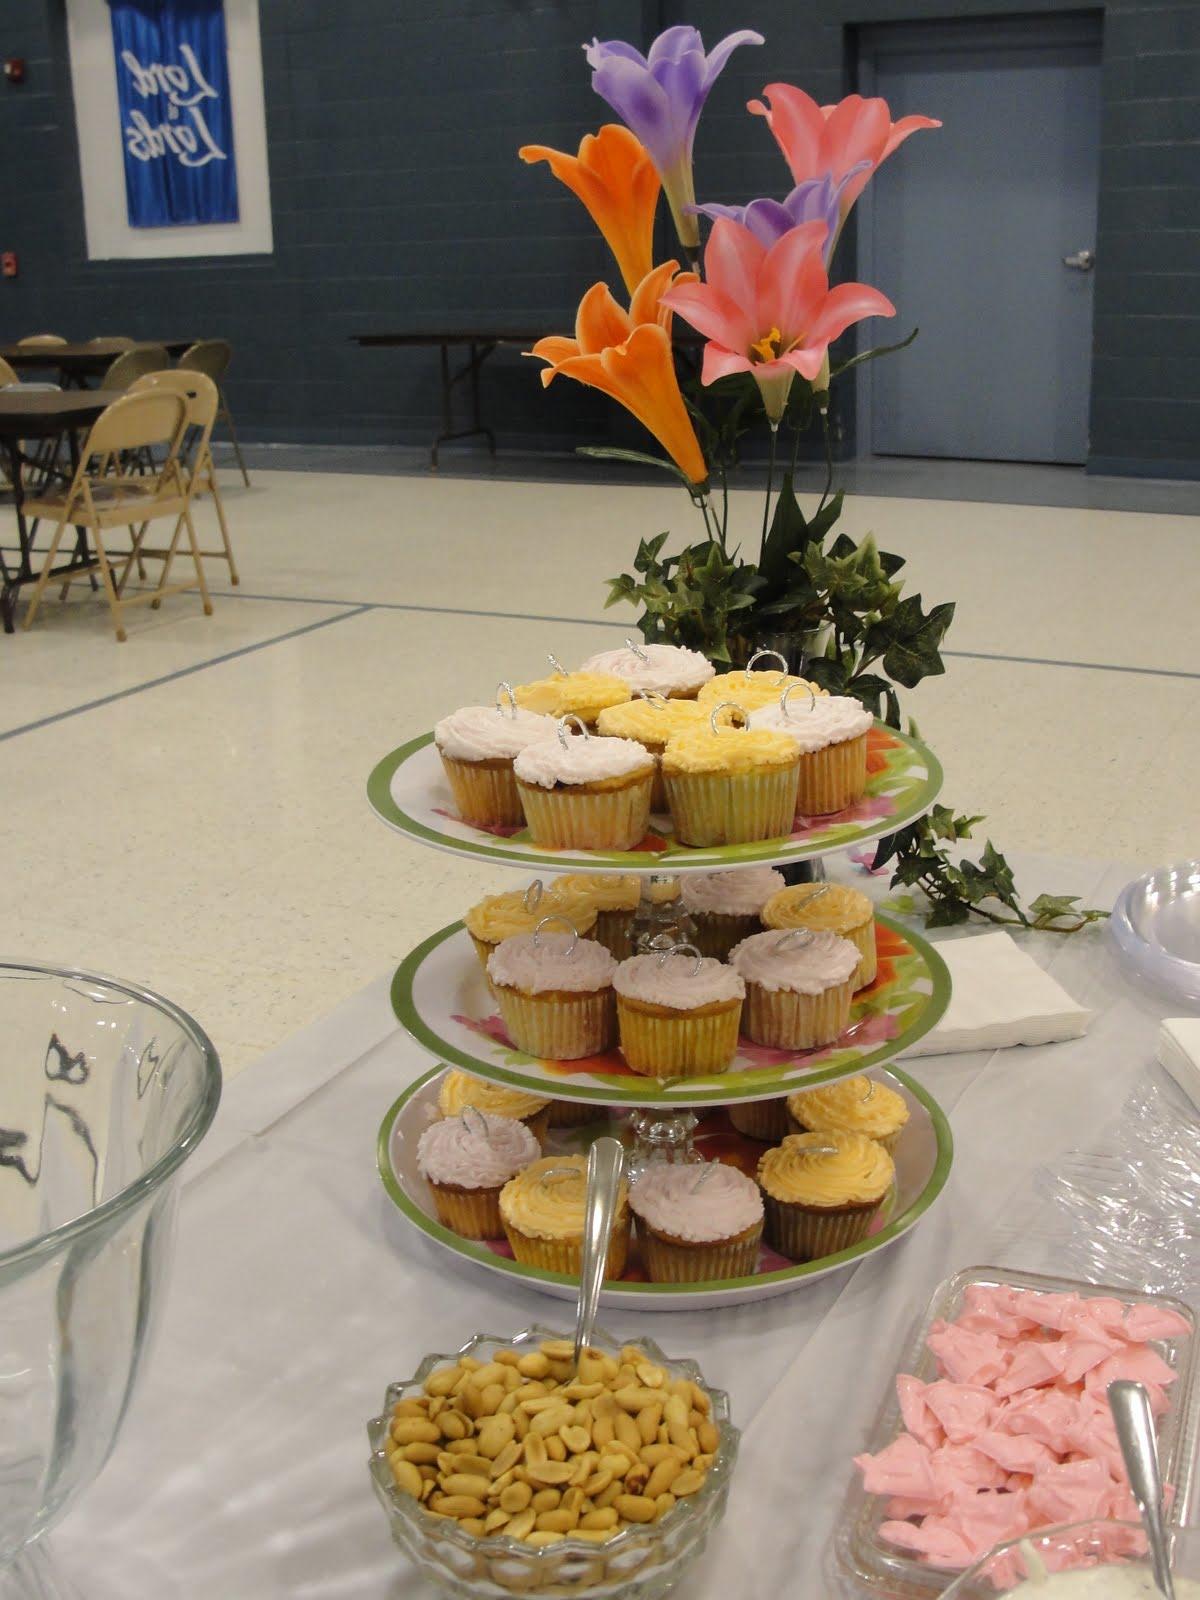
996,1424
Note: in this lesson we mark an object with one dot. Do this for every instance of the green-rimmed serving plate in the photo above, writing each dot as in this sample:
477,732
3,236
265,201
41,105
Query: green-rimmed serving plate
409,790
440,994
923,1157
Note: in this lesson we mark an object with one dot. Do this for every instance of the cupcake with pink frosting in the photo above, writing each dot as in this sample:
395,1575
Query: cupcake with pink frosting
585,792
555,993
799,986
697,1223
678,1013
725,906
466,1161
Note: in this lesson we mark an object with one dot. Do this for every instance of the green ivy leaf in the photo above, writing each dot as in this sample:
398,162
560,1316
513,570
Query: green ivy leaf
913,652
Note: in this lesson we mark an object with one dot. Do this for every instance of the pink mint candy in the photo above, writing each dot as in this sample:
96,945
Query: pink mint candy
962,1409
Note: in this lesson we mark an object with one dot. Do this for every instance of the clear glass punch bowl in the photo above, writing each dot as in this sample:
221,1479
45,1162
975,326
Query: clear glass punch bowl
105,1090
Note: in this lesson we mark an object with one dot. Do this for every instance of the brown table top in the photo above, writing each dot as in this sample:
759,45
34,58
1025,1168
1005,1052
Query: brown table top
450,336
88,357
47,412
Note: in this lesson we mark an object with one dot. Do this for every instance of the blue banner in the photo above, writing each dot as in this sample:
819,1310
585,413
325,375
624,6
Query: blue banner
176,114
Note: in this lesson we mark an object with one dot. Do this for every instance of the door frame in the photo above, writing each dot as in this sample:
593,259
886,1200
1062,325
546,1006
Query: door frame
865,44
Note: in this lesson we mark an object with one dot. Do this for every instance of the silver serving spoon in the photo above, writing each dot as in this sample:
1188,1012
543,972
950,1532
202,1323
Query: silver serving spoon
606,1165
1130,1406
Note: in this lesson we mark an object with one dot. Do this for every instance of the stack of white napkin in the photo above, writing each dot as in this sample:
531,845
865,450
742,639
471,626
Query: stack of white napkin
1000,997
1179,1053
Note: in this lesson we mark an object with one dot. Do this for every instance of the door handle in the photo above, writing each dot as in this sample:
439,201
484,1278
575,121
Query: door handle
1082,260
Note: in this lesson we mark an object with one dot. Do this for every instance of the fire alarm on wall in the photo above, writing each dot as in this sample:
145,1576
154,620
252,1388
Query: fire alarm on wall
8,264
14,69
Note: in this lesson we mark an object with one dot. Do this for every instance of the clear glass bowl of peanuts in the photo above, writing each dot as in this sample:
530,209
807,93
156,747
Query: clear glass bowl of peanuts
544,1483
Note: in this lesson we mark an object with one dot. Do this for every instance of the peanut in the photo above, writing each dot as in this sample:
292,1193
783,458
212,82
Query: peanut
559,1521
415,1430
636,1508
515,1498
407,1479
546,1500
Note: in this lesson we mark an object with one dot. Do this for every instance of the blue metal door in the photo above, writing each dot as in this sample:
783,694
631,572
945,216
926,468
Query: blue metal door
983,234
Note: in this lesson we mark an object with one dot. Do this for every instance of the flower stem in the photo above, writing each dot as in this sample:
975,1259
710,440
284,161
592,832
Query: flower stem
724,511
770,478
828,438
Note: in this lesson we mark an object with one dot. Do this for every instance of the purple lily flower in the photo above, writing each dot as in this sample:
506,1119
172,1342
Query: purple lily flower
816,200
659,97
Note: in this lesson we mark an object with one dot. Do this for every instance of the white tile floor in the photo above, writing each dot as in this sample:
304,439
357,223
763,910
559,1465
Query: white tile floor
187,809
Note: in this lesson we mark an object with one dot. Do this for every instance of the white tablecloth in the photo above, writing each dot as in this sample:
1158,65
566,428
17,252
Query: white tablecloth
299,1292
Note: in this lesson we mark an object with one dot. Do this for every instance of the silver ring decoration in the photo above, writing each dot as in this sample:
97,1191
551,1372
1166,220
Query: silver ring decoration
791,689
505,689
709,1168
821,1150
633,645
870,1094
653,698
464,1117
557,916
679,950
772,655
562,727
557,1174
804,935
557,664
532,898
728,705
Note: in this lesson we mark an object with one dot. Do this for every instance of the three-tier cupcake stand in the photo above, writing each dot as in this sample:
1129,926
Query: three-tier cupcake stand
440,995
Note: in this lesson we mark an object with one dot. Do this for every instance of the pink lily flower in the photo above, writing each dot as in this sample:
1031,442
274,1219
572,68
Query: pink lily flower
827,141
770,312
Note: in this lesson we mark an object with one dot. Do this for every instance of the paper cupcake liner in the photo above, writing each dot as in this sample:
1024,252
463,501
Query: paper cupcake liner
765,1120
863,939
473,1213
833,778
538,1125
678,1261
732,808
889,1141
683,1044
658,792
785,1020
718,931
806,1233
485,792
574,819
571,1114
558,1026
614,930
566,1255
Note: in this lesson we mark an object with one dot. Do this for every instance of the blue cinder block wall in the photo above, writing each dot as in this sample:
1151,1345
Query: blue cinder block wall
399,202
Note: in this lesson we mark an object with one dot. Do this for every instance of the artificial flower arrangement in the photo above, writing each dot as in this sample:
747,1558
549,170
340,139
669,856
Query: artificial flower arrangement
758,299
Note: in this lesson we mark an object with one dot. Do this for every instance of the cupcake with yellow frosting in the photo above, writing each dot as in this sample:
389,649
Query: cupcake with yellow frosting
542,1213
555,994
664,669
573,694
730,785
822,1191
459,1090
798,987
503,916
584,793
831,733
752,689
834,908
852,1105
724,906
466,1161
477,745
652,720
697,1222
678,1013
613,896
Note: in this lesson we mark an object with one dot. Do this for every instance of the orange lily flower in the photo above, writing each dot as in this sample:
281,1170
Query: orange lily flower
627,355
616,180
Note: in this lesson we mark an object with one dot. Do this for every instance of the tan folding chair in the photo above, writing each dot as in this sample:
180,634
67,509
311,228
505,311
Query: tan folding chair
196,463
7,375
42,338
119,339
133,364
98,499
212,357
